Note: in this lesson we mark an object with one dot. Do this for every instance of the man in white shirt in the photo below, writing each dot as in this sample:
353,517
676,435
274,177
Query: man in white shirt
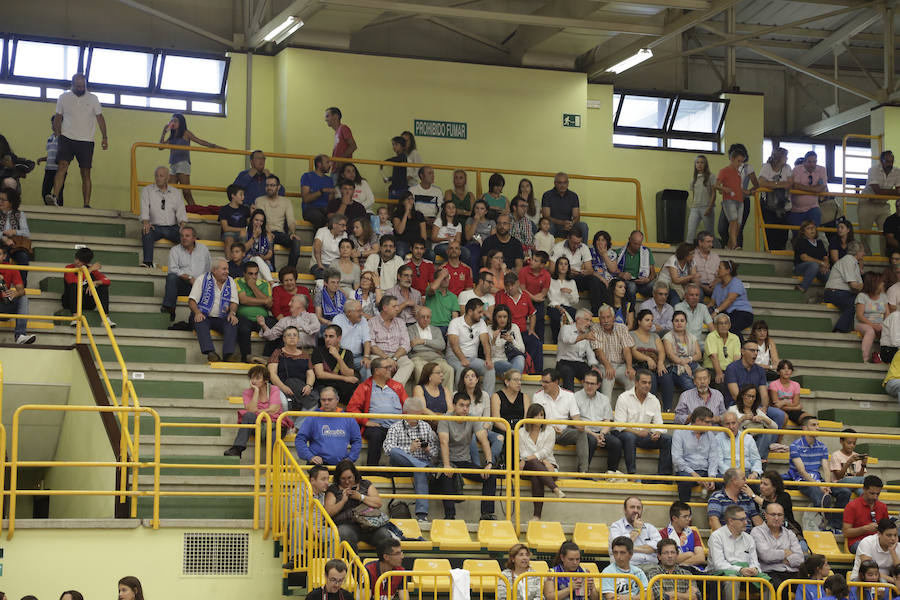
482,291
698,317
188,261
427,345
574,355
213,303
883,180
428,196
594,406
464,335
280,218
326,245
559,404
638,405
386,263
880,547
162,213
644,535
77,111
732,551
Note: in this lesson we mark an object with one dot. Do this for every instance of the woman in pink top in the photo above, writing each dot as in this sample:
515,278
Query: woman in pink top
784,393
728,182
260,397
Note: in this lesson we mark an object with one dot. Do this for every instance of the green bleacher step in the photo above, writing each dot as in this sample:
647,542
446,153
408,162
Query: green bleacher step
808,324
194,460
757,269
80,228
788,296
151,320
148,425
187,507
862,418
857,385
882,451
191,390
146,354
117,288
816,352
64,256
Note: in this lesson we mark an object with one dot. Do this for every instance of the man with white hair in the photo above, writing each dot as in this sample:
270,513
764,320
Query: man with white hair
612,347
306,323
356,337
413,443
699,320
574,356
213,303
428,345
162,213
188,261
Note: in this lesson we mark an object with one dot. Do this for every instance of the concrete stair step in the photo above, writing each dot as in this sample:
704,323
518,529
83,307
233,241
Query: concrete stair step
809,324
816,351
106,257
147,426
159,354
188,460
870,418
164,389
868,385
119,287
780,295
197,508
84,229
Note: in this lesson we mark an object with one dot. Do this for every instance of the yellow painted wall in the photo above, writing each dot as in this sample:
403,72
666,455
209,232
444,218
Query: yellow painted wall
514,119
886,121
93,560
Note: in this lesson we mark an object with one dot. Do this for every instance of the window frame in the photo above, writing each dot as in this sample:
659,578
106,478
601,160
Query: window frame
667,131
829,158
10,41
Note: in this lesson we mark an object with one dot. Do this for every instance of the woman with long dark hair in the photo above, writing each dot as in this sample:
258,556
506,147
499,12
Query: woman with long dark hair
562,297
260,242
180,160
130,588
343,499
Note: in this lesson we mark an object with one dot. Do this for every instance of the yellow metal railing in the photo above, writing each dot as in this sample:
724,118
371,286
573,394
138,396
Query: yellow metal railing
858,136
437,583
519,473
737,583
870,590
638,217
587,583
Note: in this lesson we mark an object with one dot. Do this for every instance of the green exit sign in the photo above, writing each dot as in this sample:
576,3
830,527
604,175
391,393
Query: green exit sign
571,120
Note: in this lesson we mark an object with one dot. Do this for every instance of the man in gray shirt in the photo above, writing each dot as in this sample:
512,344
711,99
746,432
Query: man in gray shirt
427,345
187,261
455,438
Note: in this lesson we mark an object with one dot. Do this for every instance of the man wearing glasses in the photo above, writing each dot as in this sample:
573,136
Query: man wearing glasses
733,552
390,558
777,547
335,575
747,372
812,178
162,213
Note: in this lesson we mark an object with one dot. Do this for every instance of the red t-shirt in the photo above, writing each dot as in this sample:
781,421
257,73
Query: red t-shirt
11,277
342,138
534,284
518,312
423,275
664,533
731,179
98,277
394,583
460,278
857,513
281,300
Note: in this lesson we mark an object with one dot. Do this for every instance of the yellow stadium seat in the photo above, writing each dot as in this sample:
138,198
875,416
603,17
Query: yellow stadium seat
540,566
823,542
592,568
483,574
545,536
452,535
700,537
427,583
411,529
497,535
592,538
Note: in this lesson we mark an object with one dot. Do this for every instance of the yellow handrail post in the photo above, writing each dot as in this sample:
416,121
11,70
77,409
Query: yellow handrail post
78,309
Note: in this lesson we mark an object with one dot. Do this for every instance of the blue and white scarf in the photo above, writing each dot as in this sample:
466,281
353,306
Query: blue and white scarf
332,308
208,296
644,270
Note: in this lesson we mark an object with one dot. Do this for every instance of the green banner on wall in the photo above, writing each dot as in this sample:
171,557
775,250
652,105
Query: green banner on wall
441,129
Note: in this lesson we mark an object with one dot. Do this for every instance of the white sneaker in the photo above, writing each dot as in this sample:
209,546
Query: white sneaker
26,338
111,323
559,493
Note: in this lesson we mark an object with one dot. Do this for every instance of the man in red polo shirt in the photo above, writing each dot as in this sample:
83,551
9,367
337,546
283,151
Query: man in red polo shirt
460,273
861,515
423,270
535,280
522,313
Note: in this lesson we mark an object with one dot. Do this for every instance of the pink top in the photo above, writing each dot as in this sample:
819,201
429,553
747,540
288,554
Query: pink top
785,393
803,202
264,403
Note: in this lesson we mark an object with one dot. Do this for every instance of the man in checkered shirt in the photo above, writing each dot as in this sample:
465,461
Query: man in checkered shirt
413,443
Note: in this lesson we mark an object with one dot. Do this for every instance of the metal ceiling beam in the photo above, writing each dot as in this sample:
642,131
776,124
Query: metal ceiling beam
596,66
179,22
846,31
467,34
526,37
683,4
839,120
810,73
497,16
810,32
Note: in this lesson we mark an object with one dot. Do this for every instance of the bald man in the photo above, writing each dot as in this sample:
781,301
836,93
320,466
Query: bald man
162,213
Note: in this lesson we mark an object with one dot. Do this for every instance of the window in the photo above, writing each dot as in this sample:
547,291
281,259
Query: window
671,121
141,78
829,154
120,67
197,75
43,60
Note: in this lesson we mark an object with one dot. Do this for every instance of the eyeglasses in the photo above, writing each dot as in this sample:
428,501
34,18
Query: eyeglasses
742,519
335,580
162,203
